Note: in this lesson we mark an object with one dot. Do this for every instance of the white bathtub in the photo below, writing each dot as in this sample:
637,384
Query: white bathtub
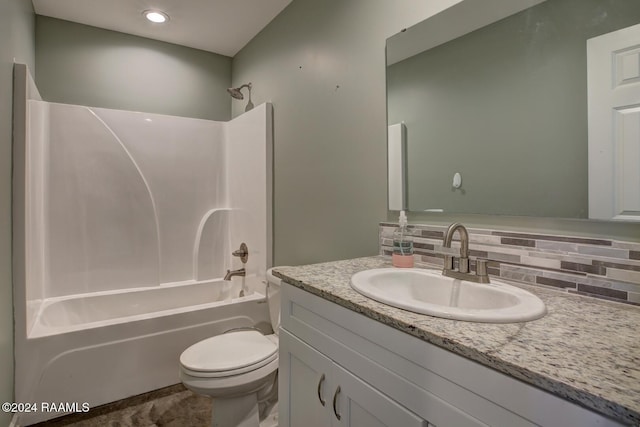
103,347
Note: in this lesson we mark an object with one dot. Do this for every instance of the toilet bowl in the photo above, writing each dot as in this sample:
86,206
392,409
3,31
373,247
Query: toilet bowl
237,369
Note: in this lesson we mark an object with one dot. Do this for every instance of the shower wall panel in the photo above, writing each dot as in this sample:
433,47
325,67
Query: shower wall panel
117,198
121,200
37,158
182,161
249,178
100,228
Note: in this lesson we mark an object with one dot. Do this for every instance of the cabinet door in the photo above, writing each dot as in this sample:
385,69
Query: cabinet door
357,404
305,381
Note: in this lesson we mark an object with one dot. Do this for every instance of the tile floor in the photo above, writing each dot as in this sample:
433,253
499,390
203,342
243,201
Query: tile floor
172,406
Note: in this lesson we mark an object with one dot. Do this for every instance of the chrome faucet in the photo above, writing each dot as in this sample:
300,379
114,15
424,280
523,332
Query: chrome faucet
243,254
239,272
463,272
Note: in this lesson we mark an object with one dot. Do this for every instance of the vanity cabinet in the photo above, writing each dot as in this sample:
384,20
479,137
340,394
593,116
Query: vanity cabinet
340,368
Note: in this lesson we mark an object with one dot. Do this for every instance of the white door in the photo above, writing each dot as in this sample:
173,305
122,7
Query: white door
613,68
305,384
357,404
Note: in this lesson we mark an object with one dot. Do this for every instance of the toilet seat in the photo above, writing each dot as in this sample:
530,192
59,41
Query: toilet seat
229,354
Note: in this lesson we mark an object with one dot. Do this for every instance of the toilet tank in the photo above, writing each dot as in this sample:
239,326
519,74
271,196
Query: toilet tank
273,299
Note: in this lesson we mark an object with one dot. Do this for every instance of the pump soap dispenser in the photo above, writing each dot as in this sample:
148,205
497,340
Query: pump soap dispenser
402,245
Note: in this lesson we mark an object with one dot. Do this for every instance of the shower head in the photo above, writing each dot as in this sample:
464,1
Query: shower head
236,93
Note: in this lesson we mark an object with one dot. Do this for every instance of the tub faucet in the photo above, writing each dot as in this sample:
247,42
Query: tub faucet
230,273
463,272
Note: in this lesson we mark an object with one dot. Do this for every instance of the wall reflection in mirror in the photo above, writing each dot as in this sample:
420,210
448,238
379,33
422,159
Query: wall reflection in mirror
538,113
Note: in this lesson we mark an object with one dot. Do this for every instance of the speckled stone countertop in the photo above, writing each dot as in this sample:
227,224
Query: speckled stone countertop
584,350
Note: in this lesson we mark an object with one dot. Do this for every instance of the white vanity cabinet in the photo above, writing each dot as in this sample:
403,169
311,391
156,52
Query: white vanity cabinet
341,368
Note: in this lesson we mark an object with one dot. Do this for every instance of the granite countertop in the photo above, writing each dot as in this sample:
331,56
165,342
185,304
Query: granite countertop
584,350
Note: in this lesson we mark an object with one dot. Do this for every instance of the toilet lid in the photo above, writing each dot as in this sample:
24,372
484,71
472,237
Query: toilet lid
226,352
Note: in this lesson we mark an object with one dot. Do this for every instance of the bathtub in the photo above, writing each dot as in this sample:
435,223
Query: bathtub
102,347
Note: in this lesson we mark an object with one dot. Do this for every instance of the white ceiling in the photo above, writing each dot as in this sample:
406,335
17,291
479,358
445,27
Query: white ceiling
219,26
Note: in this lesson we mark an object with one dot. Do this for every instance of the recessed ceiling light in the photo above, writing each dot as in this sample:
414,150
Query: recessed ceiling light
156,16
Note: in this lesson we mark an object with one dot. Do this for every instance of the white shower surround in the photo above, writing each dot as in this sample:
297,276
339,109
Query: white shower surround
120,208
126,199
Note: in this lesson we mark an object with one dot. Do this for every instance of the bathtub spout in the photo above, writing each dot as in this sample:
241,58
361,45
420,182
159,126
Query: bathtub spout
230,274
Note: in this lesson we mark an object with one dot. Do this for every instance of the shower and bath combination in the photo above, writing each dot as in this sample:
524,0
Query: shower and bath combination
90,298
236,93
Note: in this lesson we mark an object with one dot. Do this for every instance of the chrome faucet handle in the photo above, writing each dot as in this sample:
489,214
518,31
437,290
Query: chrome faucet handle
448,262
242,253
481,270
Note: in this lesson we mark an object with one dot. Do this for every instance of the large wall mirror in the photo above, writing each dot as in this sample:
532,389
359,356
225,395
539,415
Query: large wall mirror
521,107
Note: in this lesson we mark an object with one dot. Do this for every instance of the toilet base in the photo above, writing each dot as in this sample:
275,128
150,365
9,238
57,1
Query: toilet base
238,411
248,411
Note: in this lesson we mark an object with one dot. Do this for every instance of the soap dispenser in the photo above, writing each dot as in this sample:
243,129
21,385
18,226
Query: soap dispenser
402,245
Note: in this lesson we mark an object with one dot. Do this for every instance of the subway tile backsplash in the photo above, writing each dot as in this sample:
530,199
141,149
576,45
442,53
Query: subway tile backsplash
599,268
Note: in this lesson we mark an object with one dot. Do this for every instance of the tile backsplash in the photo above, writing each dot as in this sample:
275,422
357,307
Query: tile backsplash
600,268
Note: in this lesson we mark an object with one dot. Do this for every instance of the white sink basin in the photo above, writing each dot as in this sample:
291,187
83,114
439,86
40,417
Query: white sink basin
429,292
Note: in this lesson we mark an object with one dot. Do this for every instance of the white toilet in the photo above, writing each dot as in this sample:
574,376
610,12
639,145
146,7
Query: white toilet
237,369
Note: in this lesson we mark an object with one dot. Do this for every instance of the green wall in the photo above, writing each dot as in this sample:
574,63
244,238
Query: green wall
79,64
330,184
322,64
16,43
